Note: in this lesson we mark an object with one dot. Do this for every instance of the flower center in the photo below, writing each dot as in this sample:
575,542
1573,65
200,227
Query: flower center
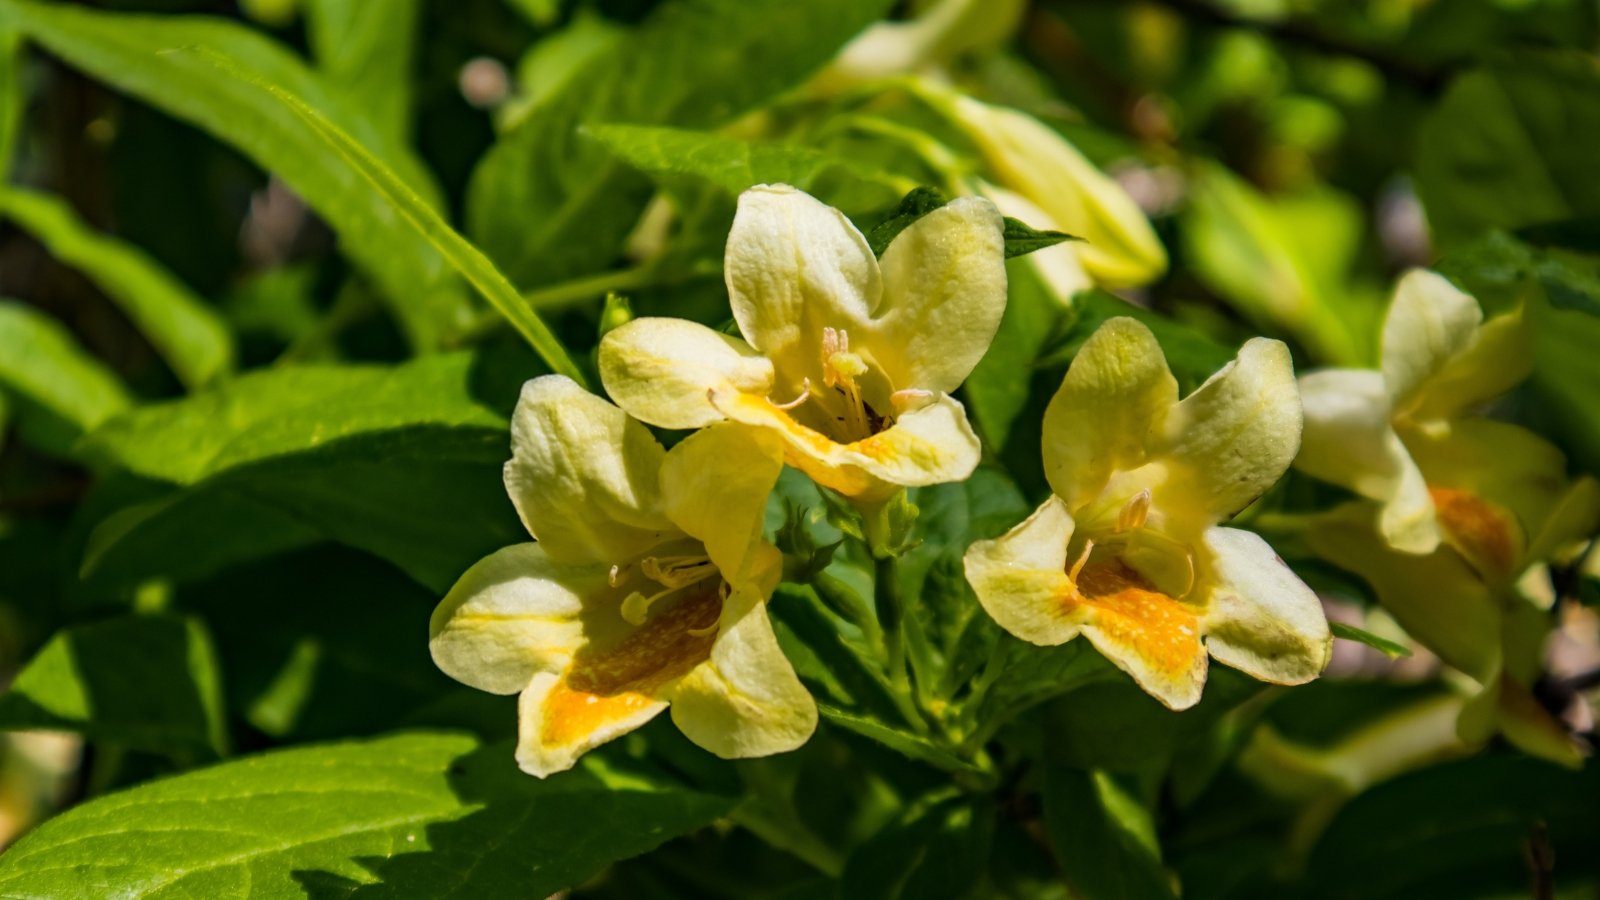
840,371
672,573
1483,532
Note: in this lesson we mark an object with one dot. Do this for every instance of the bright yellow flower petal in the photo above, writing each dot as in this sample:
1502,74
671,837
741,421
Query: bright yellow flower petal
1437,598
1120,249
1349,441
1430,321
514,614
1260,617
745,700
1235,436
930,444
714,486
1105,415
614,683
1018,575
795,266
944,282
660,370
582,474
1498,359
1143,631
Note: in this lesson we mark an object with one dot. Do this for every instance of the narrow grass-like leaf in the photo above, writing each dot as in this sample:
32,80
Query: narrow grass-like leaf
61,391
187,333
1391,649
460,253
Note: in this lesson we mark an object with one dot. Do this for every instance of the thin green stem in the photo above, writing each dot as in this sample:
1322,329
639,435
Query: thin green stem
891,624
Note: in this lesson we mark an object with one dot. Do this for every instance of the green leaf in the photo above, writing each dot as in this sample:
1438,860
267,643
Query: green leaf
1283,261
61,391
941,850
146,682
733,165
168,62
1103,837
187,333
691,65
1509,146
1391,649
13,97
1459,829
413,815
364,51
1020,239
401,461
999,389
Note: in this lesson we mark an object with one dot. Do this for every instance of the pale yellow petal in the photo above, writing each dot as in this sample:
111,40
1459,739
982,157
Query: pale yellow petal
1059,266
1498,358
660,370
1437,598
1109,409
1119,249
714,486
1235,436
514,614
930,444
944,283
1021,576
1502,464
745,700
614,685
795,266
1348,441
1429,322
582,474
1260,617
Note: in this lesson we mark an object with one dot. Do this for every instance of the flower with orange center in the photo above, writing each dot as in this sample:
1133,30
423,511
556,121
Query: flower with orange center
1126,551
847,359
646,588
1458,508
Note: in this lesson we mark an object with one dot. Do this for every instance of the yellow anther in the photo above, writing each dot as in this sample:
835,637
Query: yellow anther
1134,512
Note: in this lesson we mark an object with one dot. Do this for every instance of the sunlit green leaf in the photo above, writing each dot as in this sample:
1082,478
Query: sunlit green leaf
403,816
1391,649
61,391
147,682
1103,837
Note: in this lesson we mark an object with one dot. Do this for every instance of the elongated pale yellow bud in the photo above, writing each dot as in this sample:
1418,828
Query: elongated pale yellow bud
1030,159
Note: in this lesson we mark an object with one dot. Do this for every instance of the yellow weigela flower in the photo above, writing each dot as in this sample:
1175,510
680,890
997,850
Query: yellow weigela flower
646,588
849,360
1465,506
1126,551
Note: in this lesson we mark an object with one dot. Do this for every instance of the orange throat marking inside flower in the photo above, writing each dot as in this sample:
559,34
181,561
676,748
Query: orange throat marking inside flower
1482,531
1128,609
604,685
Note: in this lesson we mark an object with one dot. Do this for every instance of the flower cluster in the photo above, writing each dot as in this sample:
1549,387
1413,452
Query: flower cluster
648,584
1457,509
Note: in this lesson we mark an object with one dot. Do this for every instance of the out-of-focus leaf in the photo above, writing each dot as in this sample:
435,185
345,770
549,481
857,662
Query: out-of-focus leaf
1460,829
1509,146
12,97
733,164
1283,262
1391,649
403,462
1192,356
422,814
189,335
169,63
60,390
364,51
1562,293
547,206
147,682
1103,837
938,851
